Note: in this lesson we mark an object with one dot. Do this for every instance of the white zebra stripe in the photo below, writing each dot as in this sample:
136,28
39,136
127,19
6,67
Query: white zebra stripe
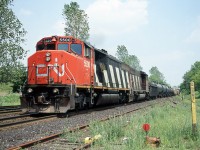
96,77
124,83
136,82
112,75
106,77
118,77
127,79
133,78
131,83
140,87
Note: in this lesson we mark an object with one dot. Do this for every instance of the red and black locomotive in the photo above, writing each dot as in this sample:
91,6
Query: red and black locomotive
66,73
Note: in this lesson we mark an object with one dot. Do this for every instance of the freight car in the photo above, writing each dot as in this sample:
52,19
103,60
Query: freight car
158,90
66,73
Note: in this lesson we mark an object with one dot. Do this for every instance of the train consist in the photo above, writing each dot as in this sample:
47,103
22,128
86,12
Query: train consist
66,73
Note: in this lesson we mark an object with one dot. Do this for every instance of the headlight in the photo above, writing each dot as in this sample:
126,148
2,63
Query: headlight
30,90
48,58
55,90
48,54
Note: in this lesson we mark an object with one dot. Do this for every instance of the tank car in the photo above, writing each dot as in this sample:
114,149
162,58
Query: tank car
159,90
66,73
153,90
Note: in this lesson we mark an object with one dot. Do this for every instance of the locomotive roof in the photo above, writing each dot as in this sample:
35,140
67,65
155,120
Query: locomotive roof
103,51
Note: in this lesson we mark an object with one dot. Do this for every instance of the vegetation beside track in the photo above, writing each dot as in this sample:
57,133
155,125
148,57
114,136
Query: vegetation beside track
7,97
172,123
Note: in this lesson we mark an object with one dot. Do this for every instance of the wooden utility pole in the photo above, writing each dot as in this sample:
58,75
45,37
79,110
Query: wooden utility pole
193,100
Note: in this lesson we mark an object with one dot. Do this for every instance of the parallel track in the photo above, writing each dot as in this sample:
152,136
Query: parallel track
9,109
14,117
8,125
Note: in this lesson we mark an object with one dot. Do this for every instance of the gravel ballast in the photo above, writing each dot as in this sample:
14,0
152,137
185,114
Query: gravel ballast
37,130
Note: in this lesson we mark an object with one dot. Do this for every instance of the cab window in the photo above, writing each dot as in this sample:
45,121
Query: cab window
63,47
50,47
46,47
76,48
40,47
87,52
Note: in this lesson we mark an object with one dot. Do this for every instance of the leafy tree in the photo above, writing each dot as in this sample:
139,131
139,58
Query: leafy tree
11,38
19,77
131,60
122,53
76,21
192,75
156,76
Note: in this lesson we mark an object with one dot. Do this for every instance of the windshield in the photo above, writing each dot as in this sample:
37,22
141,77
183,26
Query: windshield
63,47
76,48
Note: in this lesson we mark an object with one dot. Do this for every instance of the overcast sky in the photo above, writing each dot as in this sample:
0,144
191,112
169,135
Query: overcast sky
162,33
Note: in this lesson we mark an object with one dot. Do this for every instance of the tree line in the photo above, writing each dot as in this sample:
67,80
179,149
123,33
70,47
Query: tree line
76,24
192,75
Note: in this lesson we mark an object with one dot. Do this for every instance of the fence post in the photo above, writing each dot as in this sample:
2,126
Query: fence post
193,100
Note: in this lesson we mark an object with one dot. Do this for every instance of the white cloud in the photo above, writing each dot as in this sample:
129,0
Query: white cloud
194,37
25,12
116,17
58,27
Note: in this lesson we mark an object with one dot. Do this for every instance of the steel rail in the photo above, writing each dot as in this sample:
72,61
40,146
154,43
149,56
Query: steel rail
25,121
10,111
14,117
10,107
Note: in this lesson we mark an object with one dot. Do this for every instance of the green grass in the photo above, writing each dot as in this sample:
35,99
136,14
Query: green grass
172,123
5,89
10,100
7,98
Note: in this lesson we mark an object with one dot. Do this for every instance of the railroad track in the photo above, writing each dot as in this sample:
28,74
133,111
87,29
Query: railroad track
9,109
14,117
8,122
4,108
58,136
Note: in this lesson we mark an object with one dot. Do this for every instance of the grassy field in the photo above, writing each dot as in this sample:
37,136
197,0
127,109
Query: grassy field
7,98
172,123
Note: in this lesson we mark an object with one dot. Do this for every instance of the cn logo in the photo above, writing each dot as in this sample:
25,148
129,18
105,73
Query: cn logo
55,68
43,70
